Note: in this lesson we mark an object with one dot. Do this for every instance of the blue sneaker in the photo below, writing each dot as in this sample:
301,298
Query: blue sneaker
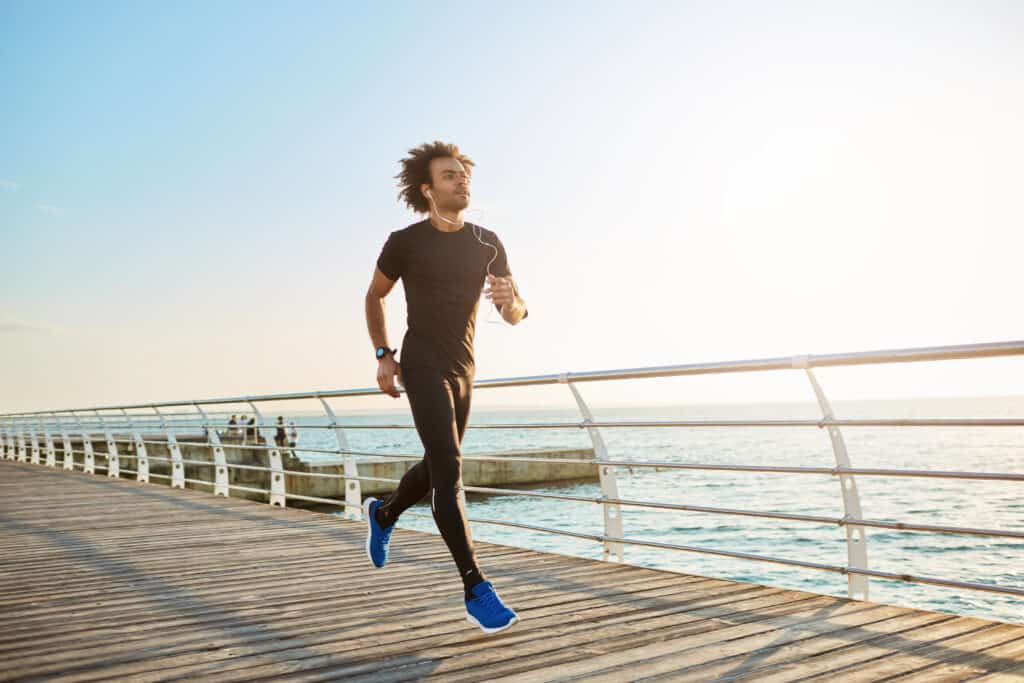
487,611
377,539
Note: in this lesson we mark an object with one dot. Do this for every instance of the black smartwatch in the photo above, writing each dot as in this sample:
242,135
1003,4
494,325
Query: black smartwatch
383,351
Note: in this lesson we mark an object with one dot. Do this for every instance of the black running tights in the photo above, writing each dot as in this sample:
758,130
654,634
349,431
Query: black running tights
440,410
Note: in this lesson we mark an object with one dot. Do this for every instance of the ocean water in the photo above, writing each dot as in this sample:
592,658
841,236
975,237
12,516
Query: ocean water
982,504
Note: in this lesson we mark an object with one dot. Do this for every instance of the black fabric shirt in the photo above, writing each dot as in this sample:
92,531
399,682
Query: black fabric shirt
443,274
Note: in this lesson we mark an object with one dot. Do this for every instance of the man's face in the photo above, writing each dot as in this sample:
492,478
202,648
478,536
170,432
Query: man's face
450,184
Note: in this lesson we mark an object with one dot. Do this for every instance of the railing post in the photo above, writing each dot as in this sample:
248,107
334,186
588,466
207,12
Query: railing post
613,552
141,458
856,538
177,464
51,452
20,437
35,444
69,453
12,448
19,441
220,462
353,490
12,440
277,480
12,443
17,447
113,462
89,459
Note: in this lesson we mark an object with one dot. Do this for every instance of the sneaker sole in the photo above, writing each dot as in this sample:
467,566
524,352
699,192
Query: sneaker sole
497,629
369,530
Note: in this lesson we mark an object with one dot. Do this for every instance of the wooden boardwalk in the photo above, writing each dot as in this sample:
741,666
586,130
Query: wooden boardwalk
106,579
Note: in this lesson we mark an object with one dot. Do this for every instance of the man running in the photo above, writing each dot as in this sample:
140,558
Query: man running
444,262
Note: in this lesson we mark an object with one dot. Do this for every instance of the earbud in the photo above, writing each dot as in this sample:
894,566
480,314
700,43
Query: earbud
429,196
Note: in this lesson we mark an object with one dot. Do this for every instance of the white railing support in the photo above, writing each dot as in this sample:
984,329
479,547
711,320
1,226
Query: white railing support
69,453
277,481
177,462
613,552
141,457
33,435
220,463
856,537
51,451
89,459
113,460
353,492
22,450
11,450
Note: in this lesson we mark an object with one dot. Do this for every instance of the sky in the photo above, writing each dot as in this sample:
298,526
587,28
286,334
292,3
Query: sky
193,195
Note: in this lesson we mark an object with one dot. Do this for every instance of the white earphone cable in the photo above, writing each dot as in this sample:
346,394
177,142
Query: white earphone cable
477,232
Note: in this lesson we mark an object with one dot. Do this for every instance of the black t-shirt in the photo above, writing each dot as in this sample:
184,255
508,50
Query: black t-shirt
443,274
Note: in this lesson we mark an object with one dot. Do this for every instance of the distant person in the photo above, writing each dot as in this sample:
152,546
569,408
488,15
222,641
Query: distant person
233,426
279,436
250,430
293,435
443,262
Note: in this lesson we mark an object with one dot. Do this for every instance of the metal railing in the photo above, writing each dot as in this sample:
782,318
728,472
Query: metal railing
30,437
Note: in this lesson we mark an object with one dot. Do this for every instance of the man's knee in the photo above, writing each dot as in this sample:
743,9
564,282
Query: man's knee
447,492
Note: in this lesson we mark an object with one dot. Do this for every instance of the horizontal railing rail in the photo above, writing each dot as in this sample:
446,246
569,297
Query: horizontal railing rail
25,436
914,355
656,464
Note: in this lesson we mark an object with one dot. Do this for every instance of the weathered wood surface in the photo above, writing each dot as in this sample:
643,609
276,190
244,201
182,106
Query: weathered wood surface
106,579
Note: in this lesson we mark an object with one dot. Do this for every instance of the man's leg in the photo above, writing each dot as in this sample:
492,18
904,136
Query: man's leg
413,487
439,404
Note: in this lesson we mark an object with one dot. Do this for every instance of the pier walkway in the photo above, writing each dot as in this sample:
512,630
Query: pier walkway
112,579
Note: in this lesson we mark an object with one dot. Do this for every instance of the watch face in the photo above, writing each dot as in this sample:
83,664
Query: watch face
380,353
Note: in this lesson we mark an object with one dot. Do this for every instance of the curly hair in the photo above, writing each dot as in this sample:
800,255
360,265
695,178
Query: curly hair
416,171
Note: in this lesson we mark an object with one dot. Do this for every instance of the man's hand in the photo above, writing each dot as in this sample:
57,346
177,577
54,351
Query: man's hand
387,369
503,293
500,291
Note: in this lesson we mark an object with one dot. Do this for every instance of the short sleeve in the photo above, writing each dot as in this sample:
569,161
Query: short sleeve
500,266
391,261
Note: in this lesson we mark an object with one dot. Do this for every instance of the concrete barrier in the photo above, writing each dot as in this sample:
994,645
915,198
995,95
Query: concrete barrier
492,473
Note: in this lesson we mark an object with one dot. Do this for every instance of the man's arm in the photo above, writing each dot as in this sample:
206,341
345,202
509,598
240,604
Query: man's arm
376,324
505,295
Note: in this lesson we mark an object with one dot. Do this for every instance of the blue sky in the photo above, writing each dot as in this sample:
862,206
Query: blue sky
192,196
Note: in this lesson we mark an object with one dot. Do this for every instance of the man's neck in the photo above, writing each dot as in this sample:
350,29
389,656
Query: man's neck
444,226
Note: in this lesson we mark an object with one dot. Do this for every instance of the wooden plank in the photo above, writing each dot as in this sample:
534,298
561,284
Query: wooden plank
226,593
350,599
398,610
870,649
286,594
602,649
998,659
404,626
180,631
249,633
740,659
953,649
380,660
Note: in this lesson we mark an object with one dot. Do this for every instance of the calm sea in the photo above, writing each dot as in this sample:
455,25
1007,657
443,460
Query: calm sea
984,504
